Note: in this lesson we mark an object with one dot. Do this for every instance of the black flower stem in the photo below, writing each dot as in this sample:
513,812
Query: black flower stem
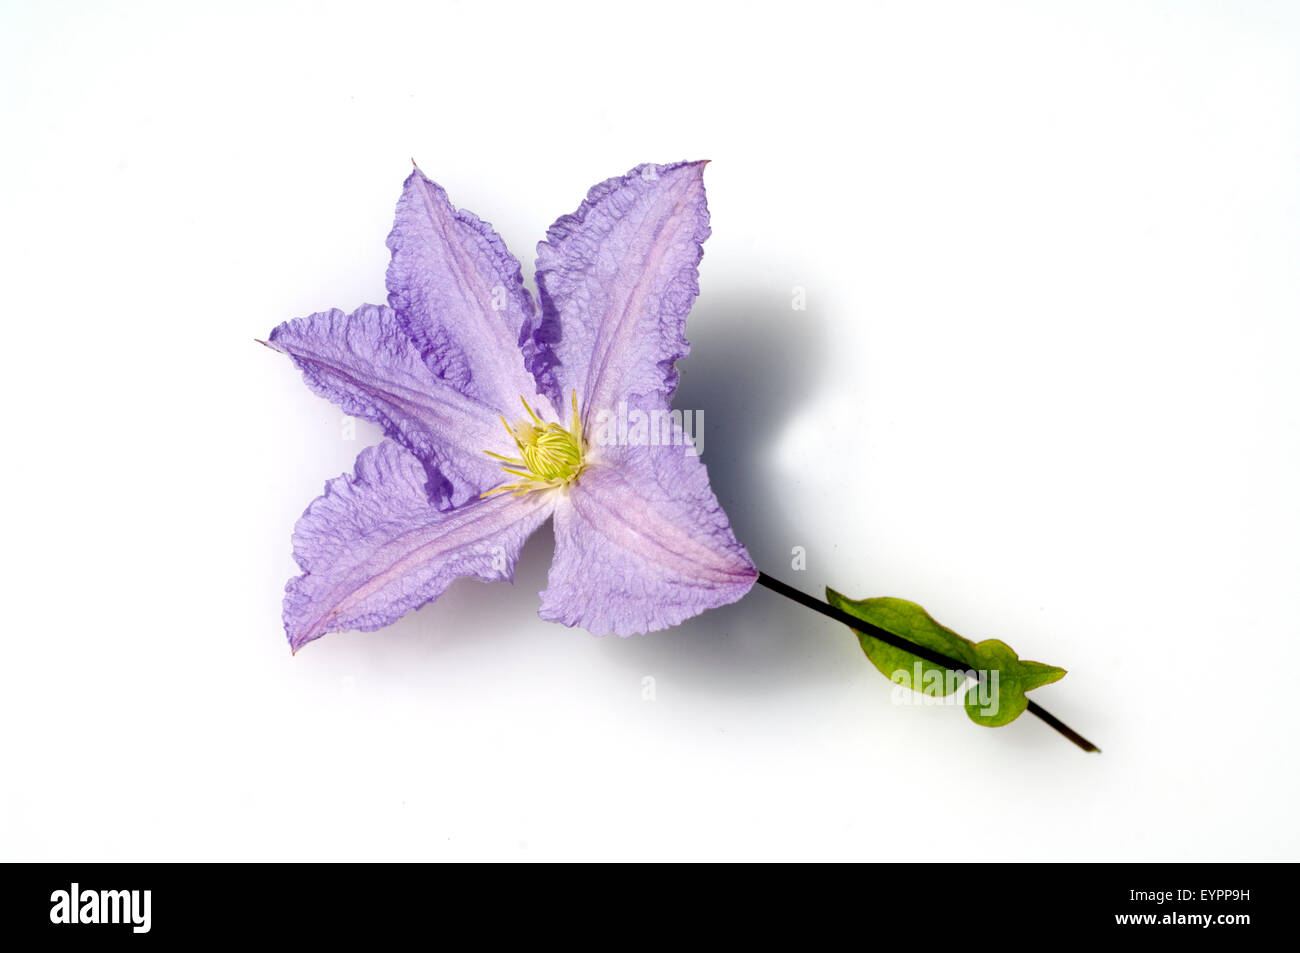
898,642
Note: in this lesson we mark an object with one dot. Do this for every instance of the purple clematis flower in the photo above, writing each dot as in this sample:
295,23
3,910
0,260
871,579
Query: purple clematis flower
640,540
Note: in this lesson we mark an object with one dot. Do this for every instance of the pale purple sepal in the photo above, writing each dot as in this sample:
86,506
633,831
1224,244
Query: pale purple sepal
642,544
616,280
460,296
367,365
373,548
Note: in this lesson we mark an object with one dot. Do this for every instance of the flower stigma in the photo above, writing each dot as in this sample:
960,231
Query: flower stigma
550,456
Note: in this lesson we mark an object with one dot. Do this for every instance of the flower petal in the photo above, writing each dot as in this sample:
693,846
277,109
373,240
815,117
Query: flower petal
373,548
365,363
616,280
642,544
459,294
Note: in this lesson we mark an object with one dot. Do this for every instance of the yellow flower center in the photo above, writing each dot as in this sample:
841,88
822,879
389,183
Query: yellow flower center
549,455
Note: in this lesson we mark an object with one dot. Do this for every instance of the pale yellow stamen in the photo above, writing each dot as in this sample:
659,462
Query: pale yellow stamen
549,455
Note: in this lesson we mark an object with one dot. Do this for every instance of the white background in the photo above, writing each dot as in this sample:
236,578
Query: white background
1045,385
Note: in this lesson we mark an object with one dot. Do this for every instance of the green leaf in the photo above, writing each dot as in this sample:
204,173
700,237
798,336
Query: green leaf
997,700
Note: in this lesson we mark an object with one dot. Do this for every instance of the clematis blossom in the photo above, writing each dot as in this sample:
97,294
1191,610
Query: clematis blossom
490,407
